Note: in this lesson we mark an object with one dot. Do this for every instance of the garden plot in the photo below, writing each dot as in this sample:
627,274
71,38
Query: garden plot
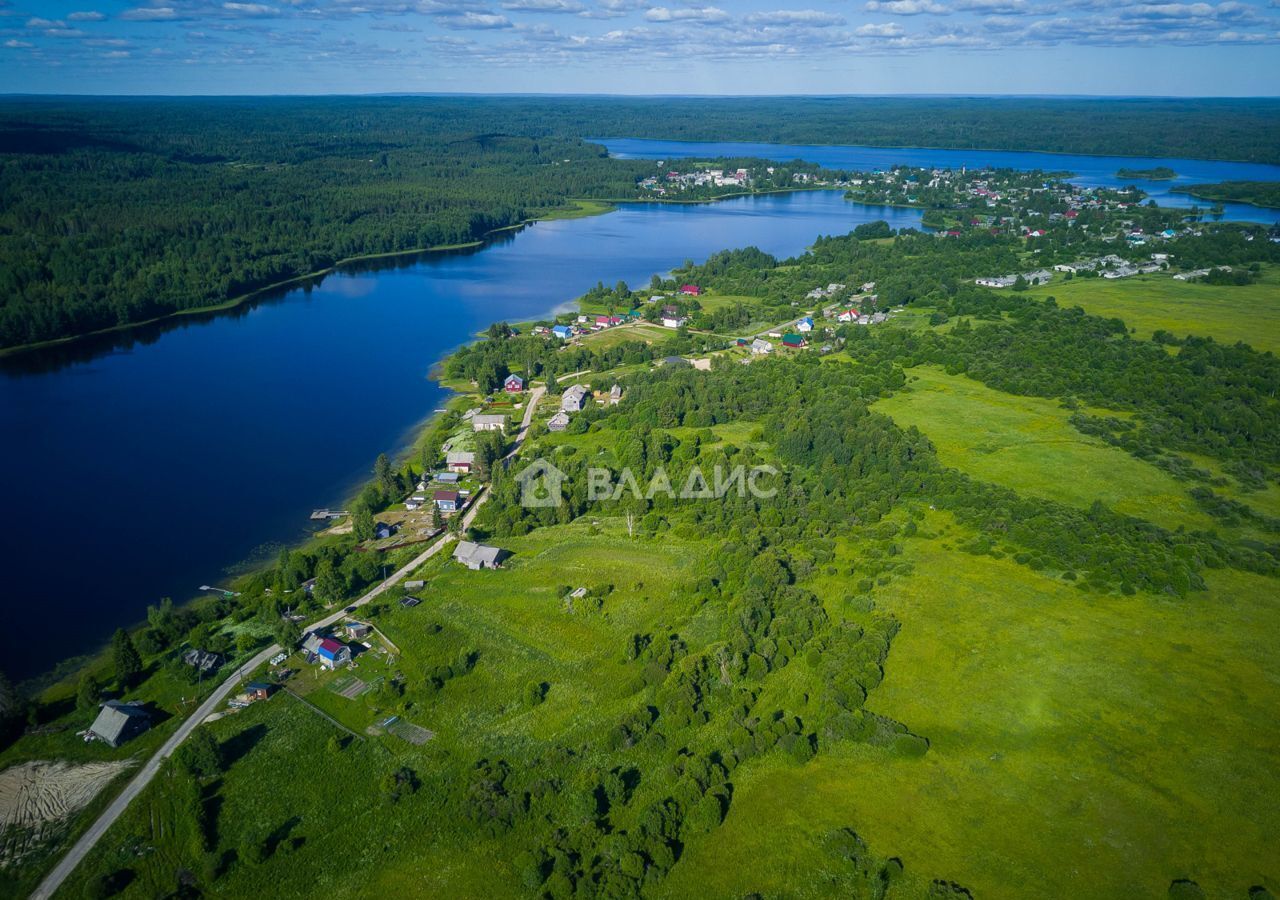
350,687
407,731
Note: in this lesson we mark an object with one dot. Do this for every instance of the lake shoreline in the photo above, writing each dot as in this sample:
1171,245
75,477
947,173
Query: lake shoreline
287,360
583,208
600,140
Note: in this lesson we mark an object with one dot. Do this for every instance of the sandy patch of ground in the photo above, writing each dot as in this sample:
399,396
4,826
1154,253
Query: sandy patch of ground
38,792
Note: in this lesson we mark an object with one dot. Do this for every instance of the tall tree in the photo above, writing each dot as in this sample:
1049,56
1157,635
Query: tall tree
362,523
128,664
330,586
88,693
384,475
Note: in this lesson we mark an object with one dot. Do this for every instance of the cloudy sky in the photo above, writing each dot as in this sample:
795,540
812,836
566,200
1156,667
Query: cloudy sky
641,46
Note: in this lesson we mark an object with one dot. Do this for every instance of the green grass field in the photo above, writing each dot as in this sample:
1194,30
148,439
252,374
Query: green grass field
523,631
612,337
1080,746
1028,444
1147,303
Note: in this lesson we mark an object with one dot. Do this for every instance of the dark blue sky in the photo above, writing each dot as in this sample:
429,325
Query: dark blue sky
641,46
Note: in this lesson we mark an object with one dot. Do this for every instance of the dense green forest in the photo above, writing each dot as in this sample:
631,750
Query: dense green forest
117,211
1259,193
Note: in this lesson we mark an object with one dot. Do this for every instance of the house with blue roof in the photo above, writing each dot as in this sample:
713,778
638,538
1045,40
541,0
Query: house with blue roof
333,654
564,332
805,324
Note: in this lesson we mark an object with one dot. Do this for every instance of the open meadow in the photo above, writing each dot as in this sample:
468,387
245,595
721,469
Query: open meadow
1080,746
1150,303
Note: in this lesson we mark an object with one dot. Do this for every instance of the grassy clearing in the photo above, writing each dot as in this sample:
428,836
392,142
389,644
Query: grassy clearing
1147,303
1027,444
621,334
325,809
577,209
1081,746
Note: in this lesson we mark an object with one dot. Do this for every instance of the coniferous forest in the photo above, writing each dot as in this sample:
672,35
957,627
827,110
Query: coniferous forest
116,211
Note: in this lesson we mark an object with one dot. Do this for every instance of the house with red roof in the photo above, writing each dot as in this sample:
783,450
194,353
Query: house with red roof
691,289
332,653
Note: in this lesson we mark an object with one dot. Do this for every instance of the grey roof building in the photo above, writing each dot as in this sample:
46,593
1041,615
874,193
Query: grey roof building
574,399
478,556
120,722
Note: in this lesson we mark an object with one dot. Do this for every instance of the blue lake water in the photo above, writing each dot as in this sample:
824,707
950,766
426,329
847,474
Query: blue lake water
141,464
1091,171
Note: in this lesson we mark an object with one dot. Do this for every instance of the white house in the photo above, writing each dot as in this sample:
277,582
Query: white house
489,423
574,399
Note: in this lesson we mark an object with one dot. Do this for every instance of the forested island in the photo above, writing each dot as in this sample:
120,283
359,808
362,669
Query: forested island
120,211
1158,173
614,694
1257,193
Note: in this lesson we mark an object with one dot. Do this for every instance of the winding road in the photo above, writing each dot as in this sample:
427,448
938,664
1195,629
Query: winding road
59,873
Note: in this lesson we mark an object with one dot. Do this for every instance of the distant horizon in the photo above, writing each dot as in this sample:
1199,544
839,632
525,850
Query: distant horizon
1082,48
961,95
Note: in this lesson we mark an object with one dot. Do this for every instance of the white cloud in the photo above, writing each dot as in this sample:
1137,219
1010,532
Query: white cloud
906,7
613,9
15,44
474,21
888,29
544,6
37,22
997,7
149,14
88,16
689,14
249,9
811,17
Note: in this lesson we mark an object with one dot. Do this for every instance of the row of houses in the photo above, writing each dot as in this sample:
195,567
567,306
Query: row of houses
575,398
1039,276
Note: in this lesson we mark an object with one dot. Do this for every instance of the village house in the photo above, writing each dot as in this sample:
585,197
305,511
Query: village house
558,422
119,722
357,630
382,530
513,384
258,690
805,325
759,347
489,422
333,654
615,395
328,652
446,501
848,315
794,341
574,399
446,477
478,556
691,289
564,332
460,461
